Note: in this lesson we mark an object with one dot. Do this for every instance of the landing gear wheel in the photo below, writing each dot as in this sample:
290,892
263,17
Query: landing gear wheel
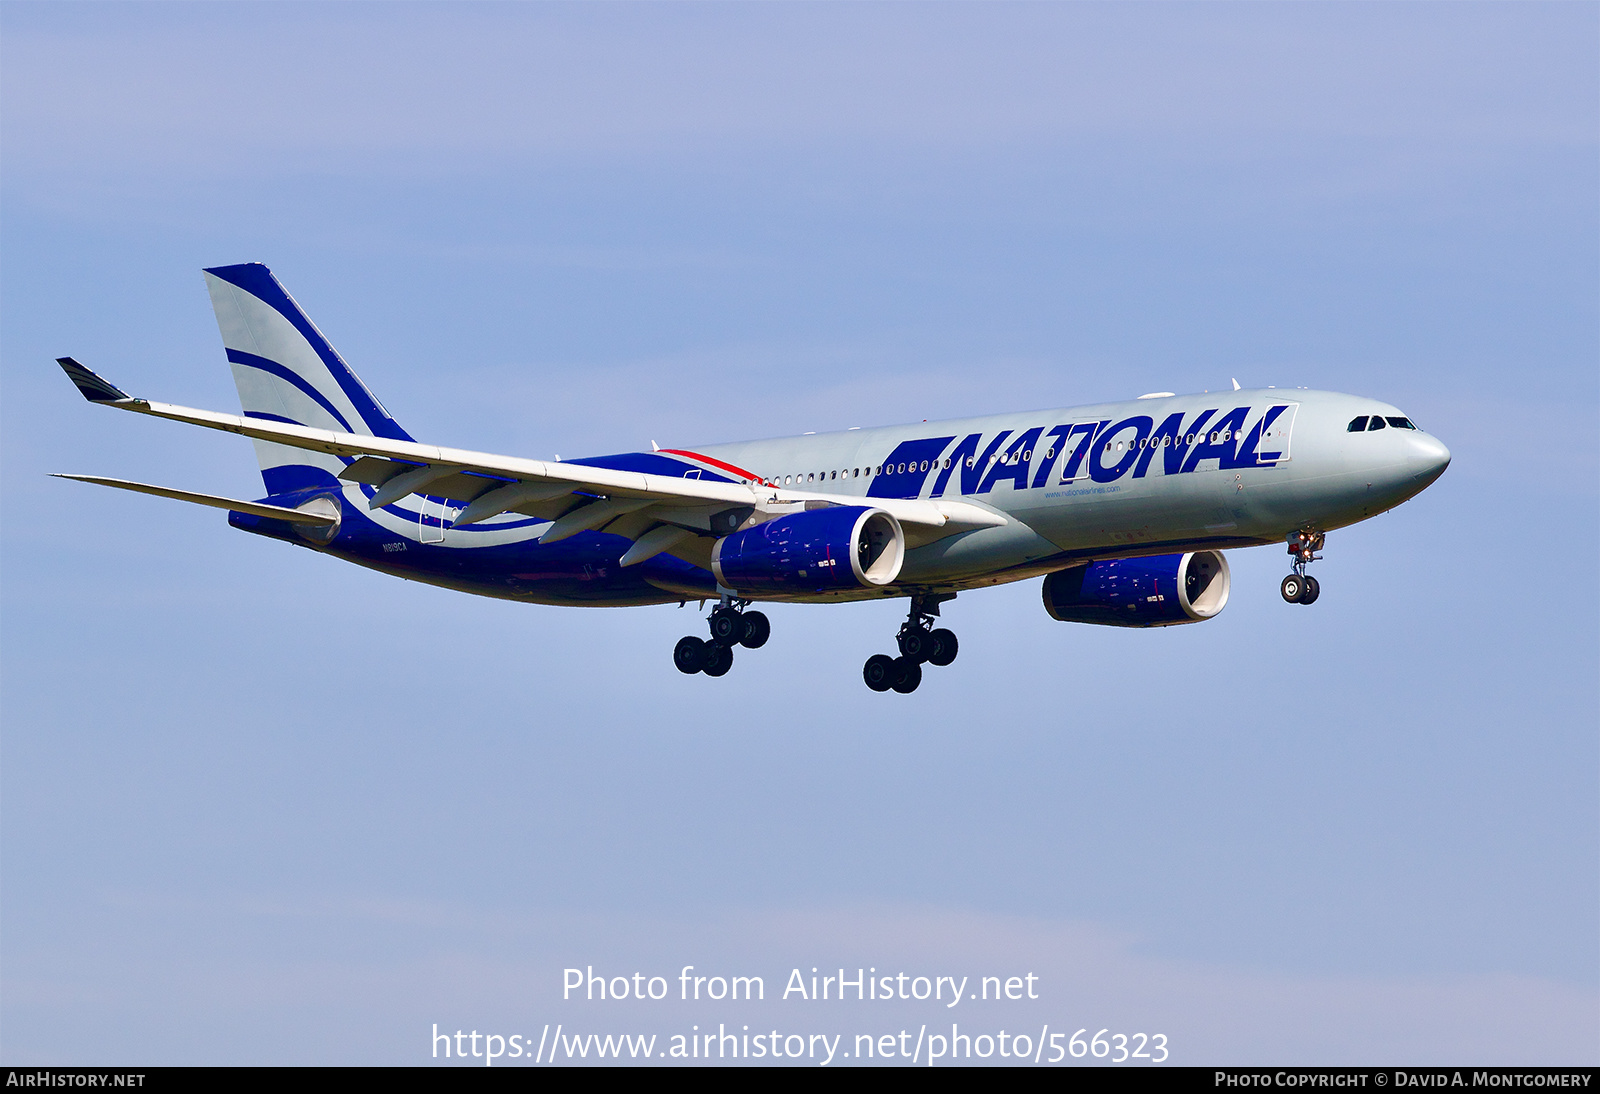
1311,591
690,655
915,644
918,643
907,676
879,672
757,629
1299,587
726,626
719,659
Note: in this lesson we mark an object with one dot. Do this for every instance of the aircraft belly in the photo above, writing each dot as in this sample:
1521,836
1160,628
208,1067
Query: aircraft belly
1086,516
980,551
582,570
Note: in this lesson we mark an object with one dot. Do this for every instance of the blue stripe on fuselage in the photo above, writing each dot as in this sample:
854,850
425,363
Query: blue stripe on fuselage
907,468
650,463
581,568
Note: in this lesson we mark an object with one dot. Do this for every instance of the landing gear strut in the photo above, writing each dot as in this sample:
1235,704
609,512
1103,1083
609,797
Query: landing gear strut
1299,587
730,625
919,644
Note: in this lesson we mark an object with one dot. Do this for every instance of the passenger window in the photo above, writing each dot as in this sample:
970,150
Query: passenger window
1376,423
1401,423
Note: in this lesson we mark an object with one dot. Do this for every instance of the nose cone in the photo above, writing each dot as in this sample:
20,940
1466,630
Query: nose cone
1426,458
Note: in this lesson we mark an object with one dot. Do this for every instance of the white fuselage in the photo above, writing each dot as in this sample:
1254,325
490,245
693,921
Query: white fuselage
1323,477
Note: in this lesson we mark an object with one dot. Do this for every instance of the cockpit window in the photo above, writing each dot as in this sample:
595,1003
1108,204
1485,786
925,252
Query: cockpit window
1358,425
1401,423
1376,423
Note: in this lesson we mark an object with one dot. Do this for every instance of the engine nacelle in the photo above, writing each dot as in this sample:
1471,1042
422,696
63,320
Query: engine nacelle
841,547
1159,591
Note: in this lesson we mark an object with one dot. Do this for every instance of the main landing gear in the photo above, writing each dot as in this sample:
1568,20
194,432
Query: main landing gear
1300,587
731,626
919,645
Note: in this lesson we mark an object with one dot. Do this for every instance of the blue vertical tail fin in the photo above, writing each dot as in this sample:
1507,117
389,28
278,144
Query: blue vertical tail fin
287,371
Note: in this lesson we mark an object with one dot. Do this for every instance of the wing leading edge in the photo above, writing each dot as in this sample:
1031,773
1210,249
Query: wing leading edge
574,497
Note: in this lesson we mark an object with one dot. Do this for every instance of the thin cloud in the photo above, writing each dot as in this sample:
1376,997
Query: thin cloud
311,89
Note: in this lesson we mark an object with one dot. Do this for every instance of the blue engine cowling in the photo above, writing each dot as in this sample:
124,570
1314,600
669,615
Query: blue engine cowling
820,550
1158,591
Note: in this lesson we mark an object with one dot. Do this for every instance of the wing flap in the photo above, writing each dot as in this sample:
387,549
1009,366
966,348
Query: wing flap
374,470
661,538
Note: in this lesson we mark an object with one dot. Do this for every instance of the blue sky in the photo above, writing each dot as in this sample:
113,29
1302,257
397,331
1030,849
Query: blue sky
260,807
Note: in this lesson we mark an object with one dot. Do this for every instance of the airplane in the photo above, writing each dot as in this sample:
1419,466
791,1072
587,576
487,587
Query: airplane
1124,509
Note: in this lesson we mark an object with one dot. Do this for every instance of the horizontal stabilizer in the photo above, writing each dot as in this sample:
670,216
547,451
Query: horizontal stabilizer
254,508
94,388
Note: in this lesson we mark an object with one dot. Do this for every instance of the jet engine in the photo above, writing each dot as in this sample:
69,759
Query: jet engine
1159,591
820,550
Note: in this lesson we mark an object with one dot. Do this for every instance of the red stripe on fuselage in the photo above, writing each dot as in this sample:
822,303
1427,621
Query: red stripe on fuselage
741,472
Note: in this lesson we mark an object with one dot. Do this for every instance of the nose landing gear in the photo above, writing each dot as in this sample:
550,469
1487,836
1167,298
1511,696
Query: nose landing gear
919,644
1299,587
730,625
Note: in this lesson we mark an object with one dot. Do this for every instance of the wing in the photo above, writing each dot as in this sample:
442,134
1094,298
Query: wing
574,497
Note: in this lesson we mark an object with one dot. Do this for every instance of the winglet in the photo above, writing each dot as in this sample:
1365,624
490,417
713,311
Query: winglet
95,389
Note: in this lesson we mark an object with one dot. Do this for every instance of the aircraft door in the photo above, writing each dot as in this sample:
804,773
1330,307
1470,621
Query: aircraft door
1073,453
1274,447
430,520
